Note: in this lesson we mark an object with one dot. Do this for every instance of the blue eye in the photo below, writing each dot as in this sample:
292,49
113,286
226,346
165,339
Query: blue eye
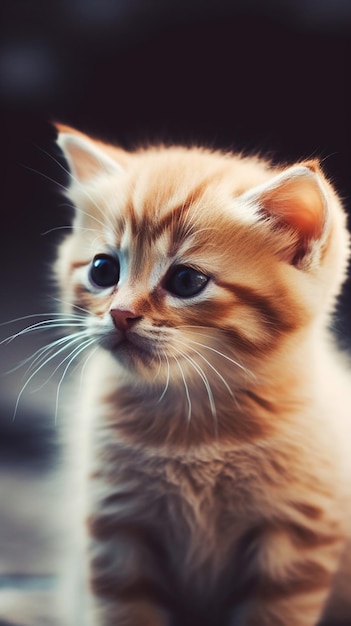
104,271
185,282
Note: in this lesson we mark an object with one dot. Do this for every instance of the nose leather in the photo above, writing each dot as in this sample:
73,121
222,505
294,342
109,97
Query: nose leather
123,319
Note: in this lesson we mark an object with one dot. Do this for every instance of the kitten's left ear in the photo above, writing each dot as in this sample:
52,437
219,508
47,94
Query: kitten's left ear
86,157
295,205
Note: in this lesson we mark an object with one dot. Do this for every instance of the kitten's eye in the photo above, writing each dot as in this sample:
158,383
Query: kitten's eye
185,282
104,271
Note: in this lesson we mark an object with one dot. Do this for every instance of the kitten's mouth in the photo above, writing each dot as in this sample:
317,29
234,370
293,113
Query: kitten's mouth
127,348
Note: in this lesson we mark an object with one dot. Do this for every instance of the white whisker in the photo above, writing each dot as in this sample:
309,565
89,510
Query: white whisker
69,343
185,387
209,364
225,356
71,304
85,365
167,380
38,354
74,354
70,227
80,184
51,180
25,317
44,325
36,371
204,379
158,369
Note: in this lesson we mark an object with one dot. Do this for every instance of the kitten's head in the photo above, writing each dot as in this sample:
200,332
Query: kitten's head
195,262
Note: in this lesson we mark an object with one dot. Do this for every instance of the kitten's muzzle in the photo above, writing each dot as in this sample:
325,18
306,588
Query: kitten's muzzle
123,320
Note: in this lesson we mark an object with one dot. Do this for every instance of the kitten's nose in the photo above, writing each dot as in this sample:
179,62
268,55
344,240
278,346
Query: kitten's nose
123,319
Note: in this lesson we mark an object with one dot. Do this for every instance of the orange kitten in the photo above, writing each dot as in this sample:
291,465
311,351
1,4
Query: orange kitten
215,421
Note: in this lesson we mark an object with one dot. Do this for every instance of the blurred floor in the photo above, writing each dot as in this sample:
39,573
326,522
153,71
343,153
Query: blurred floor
30,535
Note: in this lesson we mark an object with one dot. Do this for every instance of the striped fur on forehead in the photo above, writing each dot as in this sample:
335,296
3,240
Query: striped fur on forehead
167,217
165,186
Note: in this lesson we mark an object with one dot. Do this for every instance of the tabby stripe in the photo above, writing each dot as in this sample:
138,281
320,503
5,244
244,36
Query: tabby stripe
174,215
308,510
261,303
303,536
310,577
146,224
132,220
262,402
244,343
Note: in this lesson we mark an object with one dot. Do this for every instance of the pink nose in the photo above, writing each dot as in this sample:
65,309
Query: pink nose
123,319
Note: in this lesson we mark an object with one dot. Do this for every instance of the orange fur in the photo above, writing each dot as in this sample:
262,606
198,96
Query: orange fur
216,425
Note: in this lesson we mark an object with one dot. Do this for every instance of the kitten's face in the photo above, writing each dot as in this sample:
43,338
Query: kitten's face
178,263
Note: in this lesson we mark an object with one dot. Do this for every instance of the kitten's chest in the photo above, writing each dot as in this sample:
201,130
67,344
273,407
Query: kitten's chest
198,510
210,511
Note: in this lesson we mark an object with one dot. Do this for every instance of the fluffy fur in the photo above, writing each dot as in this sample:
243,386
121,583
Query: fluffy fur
214,428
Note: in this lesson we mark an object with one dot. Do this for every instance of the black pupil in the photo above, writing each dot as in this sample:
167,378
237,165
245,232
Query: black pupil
104,271
186,282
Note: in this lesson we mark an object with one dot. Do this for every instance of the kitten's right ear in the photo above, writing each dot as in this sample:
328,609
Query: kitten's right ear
87,158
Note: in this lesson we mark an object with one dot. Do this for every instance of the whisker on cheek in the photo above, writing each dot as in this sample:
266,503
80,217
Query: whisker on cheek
66,190
204,379
75,306
210,365
185,387
68,345
82,373
39,354
47,360
44,325
50,314
159,368
224,356
167,380
72,356
81,228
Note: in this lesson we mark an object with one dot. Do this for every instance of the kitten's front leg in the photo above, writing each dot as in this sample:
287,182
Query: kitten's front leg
127,587
295,567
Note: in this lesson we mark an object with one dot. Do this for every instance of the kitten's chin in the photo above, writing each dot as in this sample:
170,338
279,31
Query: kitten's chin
135,357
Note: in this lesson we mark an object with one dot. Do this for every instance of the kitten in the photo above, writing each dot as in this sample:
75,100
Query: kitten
215,421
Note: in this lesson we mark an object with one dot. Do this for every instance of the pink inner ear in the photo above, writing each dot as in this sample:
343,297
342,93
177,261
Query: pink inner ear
86,157
85,166
298,202
85,161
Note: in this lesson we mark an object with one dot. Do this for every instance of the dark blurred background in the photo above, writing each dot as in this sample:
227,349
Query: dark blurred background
252,75
256,75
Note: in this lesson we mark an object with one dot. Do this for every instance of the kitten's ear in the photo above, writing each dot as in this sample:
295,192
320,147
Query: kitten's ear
87,158
295,205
